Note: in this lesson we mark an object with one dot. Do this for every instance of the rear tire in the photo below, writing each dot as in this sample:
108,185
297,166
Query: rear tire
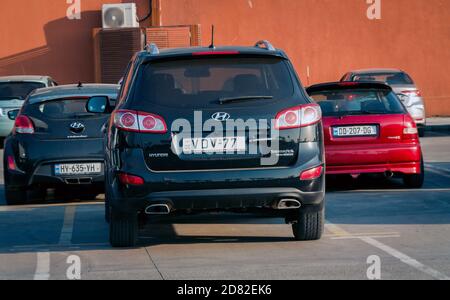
421,132
37,195
309,226
15,197
415,181
107,209
123,230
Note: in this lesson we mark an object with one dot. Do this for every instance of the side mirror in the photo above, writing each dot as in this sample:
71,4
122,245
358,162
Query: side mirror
98,105
12,114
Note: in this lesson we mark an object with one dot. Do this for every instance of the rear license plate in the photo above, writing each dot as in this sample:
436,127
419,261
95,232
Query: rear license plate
214,145
78,169
351,131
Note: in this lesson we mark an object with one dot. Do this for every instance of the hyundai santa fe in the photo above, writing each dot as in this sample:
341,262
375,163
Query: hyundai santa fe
203,129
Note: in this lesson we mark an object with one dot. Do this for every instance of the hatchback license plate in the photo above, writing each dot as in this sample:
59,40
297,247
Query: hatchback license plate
78,169
351,131
214,145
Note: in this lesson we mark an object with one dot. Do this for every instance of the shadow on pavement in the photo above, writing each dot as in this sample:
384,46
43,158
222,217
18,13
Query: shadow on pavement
368,200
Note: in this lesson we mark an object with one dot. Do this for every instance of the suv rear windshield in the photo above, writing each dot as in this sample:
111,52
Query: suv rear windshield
357,102
389,78
18,90
200,82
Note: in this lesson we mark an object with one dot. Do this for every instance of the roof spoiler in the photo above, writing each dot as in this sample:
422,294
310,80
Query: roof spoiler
346,85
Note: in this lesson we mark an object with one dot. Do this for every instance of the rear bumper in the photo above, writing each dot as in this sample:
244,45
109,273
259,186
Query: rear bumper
216,189
418,113
400,158
35,160
44,175
404,168
221,199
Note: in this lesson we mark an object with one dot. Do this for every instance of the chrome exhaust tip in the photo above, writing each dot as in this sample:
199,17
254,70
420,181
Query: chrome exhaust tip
158,209
288,204
388,174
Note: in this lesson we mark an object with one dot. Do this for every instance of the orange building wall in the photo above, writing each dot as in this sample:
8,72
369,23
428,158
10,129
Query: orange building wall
37,38
332,37
328,36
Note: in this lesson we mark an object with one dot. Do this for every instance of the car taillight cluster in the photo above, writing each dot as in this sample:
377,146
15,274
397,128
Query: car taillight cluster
410,131
413,93
312,174
23,125
136,121
299,116
128,179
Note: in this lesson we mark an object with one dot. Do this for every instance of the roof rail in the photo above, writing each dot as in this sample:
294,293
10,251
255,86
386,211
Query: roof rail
267,45
152,49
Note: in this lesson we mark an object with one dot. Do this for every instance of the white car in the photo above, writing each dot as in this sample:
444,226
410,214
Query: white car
13,92
403,86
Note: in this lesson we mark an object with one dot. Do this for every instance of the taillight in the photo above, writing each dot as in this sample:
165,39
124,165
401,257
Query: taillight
11,163
23,125
312,174
410,131
129,179
348,83
206,53
299,116
416,93
135,121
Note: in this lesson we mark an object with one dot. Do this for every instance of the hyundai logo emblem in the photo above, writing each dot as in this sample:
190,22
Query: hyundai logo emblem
77,127
220,116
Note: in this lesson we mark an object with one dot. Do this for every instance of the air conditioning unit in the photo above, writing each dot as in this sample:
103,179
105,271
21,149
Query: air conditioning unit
120,16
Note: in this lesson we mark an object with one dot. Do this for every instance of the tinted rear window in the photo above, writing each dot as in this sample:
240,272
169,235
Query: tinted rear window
203,81
18,90
357,102
389,78
60,109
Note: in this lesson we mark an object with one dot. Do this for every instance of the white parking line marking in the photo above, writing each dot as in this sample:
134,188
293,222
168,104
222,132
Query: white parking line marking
363,237
65,238
426,190
43,266
406,259
391,251
439,171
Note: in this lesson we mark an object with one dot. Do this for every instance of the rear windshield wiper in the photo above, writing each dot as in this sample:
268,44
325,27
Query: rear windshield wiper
12,98
243,98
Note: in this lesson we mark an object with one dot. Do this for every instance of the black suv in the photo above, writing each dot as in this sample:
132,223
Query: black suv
204,129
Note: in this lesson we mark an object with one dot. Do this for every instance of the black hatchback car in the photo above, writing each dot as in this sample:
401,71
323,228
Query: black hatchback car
202,129
56,143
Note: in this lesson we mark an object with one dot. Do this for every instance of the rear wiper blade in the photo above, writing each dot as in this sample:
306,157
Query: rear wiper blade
12,98
243,98
359,112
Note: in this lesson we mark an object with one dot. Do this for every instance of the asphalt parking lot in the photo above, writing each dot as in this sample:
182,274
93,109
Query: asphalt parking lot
409,230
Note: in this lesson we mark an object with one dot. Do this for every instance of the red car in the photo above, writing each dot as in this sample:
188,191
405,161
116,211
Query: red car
368,130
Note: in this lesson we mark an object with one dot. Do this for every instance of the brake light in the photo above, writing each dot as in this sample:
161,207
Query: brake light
129,179
312,174
299,116
348,83
23,125
136,121
416,93
11,163
205,53
410,131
